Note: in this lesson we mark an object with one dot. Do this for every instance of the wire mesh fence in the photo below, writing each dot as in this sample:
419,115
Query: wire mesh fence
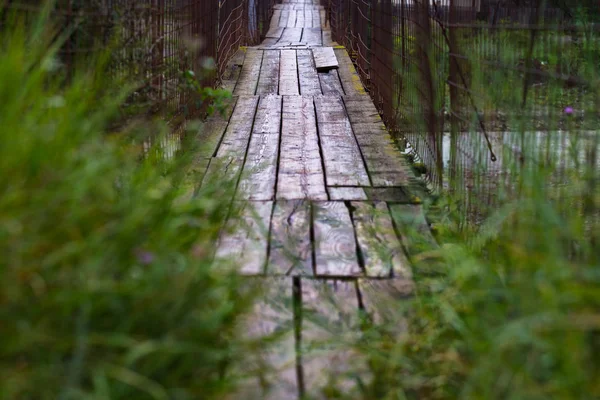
481,90
161,43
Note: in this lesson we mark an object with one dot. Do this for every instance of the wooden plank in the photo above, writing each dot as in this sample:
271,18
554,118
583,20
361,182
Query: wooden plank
288,76
385,163
260,169
285,15
233,70
335,244
275,20
245,242
300,18
388,194
236,137
329,321
381,250
325,58
308,18
323,19
291,247
330,83
316,22
309,79
347,193
268,82
291,22
341,155
327,40
350,79
246,85
312,37
274,33
384,302
300,167
271,372
413,228
291,35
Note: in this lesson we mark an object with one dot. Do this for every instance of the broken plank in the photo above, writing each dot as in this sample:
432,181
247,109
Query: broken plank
300,172
325,58
329,325
342,158
288,77
291,247
269,326
335,244
309,79
268,82
244,243
381,250
248,80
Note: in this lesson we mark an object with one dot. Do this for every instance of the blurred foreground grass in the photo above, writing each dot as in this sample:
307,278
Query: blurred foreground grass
107,287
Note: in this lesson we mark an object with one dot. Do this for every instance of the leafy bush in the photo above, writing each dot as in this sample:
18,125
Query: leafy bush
107,289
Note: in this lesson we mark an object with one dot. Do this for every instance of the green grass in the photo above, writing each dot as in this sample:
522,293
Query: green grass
107,287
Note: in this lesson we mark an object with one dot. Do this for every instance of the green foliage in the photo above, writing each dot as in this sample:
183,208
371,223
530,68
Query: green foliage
107,287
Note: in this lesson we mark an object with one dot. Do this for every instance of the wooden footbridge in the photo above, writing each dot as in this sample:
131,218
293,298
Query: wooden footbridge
329,196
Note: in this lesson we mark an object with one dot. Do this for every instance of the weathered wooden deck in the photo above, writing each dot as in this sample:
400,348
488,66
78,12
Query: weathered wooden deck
329,200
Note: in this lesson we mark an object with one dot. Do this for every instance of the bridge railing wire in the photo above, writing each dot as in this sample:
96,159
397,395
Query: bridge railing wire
480,90
161,43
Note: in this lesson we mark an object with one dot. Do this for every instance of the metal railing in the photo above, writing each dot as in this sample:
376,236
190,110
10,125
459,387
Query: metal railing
161,43
479,89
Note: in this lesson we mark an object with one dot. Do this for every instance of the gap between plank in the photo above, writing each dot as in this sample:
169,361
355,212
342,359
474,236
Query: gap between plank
359,255
321,149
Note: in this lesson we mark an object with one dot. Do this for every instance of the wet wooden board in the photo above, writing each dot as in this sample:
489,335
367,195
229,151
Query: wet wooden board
325,58
246,85
316,18
381,250
271,372
330,83
260,170
268,82
291,35
335,244
309,79
348,76
383,301
291,246
342,158
275,20
312,37
330,321
300,172
327,40
245,242
288,77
